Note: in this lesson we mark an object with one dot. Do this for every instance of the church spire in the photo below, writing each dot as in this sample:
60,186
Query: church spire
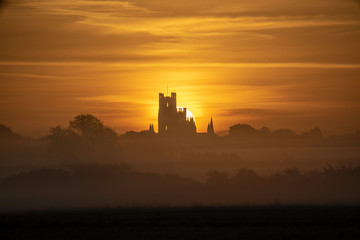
151,128
210,128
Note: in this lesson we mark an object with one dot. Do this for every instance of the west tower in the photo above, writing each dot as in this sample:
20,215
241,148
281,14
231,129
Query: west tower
173,120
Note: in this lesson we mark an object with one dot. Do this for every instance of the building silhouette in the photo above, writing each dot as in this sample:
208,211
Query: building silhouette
210,128
151,128
173,120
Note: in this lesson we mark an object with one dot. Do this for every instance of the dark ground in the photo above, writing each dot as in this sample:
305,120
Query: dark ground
270,222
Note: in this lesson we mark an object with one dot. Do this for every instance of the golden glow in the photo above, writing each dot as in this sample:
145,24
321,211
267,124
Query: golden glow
283,64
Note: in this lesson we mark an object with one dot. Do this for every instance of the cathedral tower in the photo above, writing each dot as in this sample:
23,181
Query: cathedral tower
173,120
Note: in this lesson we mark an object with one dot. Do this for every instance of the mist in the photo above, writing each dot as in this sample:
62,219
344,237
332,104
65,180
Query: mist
88,164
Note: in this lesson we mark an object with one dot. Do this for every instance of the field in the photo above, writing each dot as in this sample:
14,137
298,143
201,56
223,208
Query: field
250,222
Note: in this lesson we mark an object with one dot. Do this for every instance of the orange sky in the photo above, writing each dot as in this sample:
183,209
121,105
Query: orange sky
276,63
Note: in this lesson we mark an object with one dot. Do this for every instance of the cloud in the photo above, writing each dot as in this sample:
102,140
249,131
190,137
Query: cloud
35,76
108,99
29,36
258,112
157,31
235,8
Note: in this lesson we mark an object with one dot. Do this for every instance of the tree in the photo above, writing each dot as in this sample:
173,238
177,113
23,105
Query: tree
85,139
316,133
89,126
242,130
216,177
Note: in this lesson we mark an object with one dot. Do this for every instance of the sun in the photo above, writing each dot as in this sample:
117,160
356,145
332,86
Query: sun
189,115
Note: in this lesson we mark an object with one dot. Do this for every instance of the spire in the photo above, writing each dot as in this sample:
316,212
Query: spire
151,128
210,128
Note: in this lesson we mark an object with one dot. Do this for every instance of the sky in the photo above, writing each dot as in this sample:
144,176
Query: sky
276,63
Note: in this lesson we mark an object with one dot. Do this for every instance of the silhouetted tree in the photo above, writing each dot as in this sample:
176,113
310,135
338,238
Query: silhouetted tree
7,134
244,174
216,177
283,133
91,127
65,144
242,130
316,132
265,130
85,139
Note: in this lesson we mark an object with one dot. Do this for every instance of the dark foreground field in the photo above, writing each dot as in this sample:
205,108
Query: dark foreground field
270,222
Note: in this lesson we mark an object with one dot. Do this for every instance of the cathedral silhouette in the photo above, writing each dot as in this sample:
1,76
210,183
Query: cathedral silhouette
176,121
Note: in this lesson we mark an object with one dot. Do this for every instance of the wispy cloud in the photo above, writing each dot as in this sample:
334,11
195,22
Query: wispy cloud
178,64
258,112
141,31
36,76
